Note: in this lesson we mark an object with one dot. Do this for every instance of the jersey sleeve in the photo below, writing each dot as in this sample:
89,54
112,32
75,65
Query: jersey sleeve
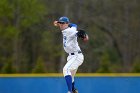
71,25
72,30
72,33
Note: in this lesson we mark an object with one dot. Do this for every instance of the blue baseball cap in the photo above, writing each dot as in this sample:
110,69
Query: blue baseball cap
64,19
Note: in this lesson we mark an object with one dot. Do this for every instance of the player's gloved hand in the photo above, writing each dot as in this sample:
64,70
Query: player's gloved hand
82,34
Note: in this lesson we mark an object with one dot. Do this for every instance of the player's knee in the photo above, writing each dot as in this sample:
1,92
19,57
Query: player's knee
66,71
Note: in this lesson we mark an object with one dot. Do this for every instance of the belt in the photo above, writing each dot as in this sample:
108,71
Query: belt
76,53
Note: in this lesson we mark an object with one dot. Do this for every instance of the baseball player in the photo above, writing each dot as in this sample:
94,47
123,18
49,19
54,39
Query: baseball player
75,57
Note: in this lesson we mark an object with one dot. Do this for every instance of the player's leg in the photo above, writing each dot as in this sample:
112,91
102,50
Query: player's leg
74,68
67,72
73,72
68,78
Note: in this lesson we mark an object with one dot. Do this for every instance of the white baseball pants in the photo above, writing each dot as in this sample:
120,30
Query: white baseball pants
73,62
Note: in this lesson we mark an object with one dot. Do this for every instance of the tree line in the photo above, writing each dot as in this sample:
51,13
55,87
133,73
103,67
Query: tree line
29,43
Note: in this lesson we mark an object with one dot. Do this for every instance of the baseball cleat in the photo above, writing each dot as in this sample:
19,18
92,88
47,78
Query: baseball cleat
75,91
68,92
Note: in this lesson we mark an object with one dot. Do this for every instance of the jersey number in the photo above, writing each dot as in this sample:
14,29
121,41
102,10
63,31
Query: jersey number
64,43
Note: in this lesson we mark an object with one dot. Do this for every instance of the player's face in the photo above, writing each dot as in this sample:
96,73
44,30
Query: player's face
63,25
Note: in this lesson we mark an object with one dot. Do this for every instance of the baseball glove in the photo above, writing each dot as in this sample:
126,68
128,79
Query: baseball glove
82,34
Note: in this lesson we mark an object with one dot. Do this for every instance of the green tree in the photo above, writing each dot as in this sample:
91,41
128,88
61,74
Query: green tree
19,35
105,64
8,67
40,66
136,66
